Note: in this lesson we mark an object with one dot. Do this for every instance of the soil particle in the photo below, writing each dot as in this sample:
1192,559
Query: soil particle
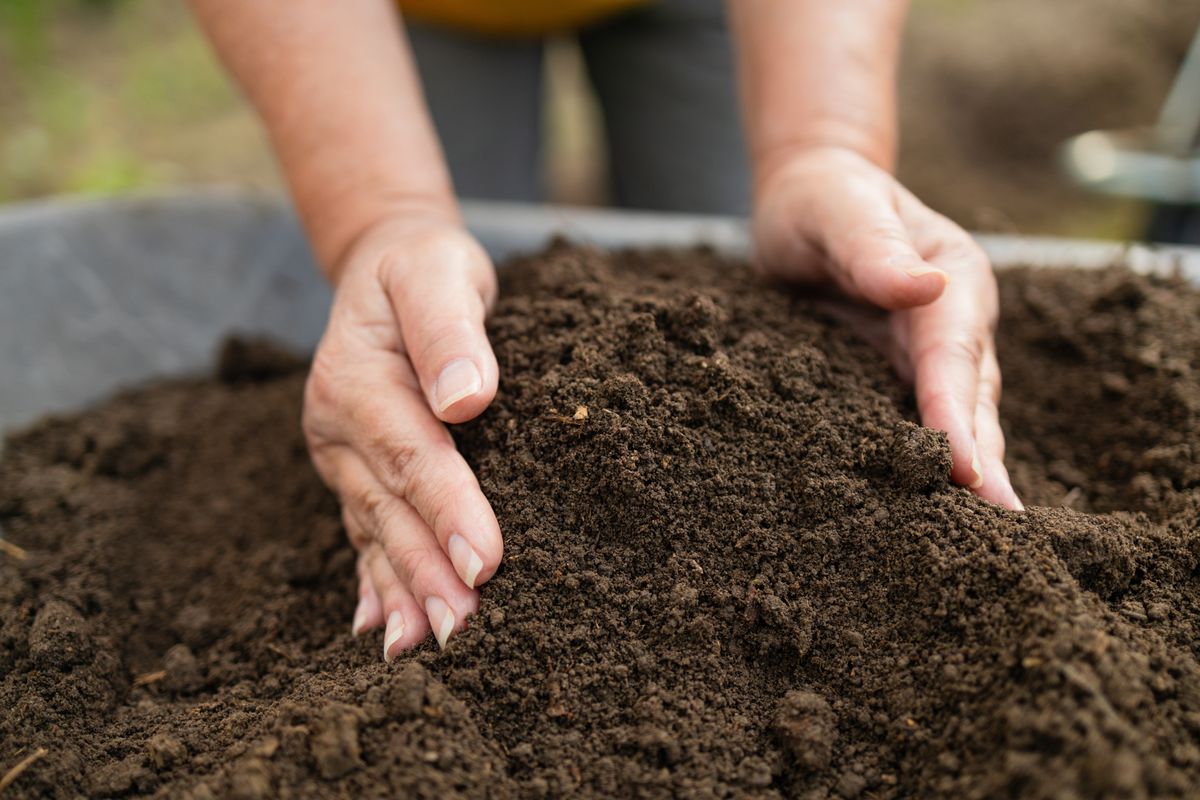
734,566
334,741
250,779
183,673
58,637
806,727
165,751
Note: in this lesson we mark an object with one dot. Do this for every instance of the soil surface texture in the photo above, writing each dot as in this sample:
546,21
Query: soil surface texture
734,566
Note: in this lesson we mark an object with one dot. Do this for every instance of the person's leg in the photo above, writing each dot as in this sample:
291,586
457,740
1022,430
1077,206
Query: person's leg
666,81
485,97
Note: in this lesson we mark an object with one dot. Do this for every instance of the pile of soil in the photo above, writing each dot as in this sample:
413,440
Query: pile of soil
743,573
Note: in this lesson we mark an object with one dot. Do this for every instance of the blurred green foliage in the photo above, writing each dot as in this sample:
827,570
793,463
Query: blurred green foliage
24,25
108,96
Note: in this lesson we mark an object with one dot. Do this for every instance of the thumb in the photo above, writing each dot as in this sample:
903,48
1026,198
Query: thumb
440,293
872,254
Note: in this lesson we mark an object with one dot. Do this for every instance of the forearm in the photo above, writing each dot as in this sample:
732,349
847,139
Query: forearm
337,88
818,73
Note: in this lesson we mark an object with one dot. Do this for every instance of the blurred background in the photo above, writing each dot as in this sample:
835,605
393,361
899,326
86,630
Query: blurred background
113,96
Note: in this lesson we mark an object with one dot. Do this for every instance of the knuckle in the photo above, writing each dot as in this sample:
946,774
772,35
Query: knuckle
320,387
372,558
436,251
965,348
966,252
446,335
990,386
488,286
937,403
888,234
354,531
387,585
447,478
972,252
986,404
962,349
375,510
871,245
326,465
402,464
412,563
442,496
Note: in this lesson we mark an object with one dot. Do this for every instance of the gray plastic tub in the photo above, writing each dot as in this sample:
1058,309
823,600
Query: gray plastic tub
96,295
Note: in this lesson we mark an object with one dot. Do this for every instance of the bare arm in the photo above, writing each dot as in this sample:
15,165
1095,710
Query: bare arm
405,347
336,87
817,73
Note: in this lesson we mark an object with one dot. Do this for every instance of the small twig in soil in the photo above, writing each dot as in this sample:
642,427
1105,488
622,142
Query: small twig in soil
21,766
19,553
149,677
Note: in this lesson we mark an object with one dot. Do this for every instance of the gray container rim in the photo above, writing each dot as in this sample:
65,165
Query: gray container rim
100,294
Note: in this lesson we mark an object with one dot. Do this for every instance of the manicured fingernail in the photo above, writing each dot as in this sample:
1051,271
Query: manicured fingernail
460,378
360,617
466,561
395,629
976,468
1017,500
919,272
441,619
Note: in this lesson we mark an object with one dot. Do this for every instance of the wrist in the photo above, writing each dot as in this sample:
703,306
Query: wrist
809,162
386,220
832,142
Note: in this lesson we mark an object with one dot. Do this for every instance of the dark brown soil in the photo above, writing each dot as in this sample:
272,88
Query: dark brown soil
744,573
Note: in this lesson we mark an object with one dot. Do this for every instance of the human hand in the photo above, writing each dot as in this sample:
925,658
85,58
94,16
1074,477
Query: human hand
405,351
830,215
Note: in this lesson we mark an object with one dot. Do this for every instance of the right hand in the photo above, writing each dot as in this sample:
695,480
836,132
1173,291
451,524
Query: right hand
830,215
405,351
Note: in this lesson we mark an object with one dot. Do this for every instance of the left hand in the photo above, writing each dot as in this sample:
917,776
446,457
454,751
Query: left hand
830,215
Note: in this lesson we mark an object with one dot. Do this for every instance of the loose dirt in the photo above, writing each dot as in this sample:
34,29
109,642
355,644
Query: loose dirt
742,573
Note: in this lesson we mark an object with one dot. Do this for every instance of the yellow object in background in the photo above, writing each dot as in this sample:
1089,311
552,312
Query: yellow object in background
514,17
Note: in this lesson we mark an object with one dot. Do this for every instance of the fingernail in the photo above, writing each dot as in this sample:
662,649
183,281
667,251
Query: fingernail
360,617
976,468
466,561
918,272
460,378
395,629
441,619
1017,500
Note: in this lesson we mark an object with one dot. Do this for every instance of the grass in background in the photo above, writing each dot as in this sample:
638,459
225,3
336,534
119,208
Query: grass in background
109,96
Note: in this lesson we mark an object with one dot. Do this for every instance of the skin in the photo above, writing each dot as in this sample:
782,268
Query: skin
405,350
818,89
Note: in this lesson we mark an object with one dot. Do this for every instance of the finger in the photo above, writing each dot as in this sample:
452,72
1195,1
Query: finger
414,457
997,486
440,294
946,385
870,252
417,559
406,624
424,568
947,351
369,612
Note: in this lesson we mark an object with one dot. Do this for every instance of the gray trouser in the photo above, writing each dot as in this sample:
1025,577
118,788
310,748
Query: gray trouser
665,79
